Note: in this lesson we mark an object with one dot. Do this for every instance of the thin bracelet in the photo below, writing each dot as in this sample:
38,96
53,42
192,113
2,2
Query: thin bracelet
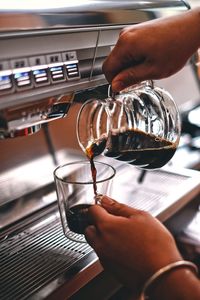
166,269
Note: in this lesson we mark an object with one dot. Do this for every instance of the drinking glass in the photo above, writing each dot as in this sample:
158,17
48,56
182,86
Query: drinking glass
76,193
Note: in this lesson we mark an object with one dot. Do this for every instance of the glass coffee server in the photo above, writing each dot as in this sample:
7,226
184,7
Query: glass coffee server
140,125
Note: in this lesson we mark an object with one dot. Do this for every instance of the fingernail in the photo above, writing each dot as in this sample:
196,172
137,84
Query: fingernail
117,86
107,201
98,198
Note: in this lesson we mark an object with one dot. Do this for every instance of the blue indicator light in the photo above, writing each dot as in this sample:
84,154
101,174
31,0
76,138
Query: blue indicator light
19,75
72,66
38,72
56,69
4,78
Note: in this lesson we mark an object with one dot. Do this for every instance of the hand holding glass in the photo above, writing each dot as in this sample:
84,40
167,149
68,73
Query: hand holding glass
75,192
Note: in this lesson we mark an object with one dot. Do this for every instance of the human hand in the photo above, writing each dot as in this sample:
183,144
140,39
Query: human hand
153,49
130,243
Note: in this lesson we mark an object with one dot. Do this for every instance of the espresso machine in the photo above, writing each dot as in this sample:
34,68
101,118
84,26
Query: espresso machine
51,56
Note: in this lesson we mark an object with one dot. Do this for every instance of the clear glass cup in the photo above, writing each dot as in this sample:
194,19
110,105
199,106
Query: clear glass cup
140,125
75,193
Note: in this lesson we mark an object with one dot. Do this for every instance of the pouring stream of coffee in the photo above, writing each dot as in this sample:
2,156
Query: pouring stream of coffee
93,148
90,155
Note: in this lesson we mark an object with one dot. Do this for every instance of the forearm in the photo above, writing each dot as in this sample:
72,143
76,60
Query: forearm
169,43
181,31
179,284
191,27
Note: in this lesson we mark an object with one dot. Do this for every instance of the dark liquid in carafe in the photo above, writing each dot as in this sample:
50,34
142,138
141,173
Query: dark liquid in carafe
137,148
77,218
141,149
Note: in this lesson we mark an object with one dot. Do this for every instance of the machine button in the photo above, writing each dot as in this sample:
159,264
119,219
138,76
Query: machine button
39,70
71,65
72,70
6,82
21,73
56,68
57,72
40,75
22,78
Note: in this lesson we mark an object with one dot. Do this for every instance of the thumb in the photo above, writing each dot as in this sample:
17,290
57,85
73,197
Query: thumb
116,208
131,76
91,235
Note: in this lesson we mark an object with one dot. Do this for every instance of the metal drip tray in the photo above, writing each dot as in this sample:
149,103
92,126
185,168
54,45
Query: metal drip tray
161,193
36,259
36,256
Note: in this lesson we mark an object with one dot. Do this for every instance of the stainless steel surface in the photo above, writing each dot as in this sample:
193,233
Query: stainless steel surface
51,50
36,256
54,14
28,188
26,120
42,260
162,192
51,53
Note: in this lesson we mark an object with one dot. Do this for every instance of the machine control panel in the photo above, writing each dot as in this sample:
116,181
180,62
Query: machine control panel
6,81
32,72
5,77
22,78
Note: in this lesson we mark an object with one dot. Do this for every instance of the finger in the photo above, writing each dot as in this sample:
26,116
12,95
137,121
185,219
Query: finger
116,208
118,61
97,215
91,235
131,76
123,55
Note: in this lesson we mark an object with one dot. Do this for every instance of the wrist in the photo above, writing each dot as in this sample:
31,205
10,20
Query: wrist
175,285
177,280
